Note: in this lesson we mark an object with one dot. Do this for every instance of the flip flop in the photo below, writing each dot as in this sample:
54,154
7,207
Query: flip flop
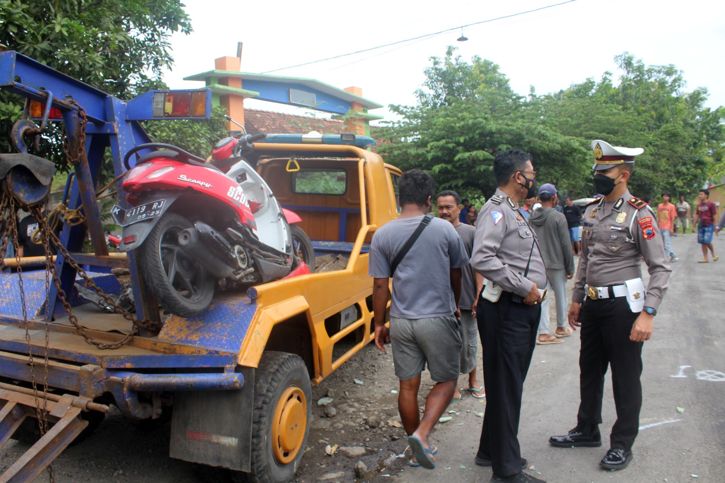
553,340
559,335
715,258
702,261
413,462
421,453
476,392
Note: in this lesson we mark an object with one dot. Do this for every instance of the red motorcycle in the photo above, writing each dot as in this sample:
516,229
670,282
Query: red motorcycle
194,224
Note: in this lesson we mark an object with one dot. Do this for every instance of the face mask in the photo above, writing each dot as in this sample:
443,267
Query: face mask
603,184
530,186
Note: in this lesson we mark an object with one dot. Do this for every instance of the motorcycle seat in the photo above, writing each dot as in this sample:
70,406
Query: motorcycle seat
167,153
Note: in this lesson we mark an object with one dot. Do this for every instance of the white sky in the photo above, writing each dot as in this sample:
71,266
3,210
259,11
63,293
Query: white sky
549,50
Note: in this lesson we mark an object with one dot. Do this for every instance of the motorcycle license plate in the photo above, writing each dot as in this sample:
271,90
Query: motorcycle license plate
138,213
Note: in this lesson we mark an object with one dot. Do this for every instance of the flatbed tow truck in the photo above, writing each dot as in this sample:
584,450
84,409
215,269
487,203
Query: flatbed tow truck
236,377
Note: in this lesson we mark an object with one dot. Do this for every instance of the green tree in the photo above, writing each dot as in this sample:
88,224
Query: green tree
118,46
466,112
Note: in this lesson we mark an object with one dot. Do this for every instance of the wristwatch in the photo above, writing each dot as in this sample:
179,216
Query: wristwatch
651,311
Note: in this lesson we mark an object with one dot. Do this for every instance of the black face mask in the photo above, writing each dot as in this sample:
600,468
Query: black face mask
530,185
603,184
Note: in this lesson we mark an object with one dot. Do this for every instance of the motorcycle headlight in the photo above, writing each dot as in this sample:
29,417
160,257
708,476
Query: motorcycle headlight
160,172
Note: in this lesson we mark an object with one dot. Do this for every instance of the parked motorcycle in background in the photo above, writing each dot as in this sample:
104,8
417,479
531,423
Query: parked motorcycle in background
194,223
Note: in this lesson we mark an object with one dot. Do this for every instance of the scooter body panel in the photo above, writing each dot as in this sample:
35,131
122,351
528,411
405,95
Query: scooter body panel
166,174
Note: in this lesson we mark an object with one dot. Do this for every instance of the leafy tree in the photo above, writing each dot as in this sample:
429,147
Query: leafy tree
466,112
118,46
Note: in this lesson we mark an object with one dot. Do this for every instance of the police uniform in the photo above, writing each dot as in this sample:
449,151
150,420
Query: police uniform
503,247
616,236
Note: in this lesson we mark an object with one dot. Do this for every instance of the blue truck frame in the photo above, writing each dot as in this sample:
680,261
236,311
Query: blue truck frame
170,362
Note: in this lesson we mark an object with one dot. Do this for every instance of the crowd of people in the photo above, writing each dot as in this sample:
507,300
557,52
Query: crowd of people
453,284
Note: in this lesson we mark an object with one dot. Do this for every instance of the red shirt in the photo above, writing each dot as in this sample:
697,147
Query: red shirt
666,214
706,212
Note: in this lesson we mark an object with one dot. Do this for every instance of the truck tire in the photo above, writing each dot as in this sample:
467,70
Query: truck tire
302,246
281,420
192,287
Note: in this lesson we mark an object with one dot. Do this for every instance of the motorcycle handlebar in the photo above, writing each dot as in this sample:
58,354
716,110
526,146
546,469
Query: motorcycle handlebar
245,142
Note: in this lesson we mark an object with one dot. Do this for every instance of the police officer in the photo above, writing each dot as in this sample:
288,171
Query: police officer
506,254
611,304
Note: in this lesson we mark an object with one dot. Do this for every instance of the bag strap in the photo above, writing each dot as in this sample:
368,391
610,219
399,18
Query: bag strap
409,243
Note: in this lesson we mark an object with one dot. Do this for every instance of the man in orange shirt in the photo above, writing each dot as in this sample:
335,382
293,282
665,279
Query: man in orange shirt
666,215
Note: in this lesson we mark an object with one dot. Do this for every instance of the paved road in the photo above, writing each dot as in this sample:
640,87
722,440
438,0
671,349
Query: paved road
682,434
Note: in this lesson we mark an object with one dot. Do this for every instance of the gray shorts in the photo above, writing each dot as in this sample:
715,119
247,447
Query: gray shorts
469,331
435,341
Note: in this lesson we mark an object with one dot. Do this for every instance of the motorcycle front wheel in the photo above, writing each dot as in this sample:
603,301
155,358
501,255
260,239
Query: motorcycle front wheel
183,286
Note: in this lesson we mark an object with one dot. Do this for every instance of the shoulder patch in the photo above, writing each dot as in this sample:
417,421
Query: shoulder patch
637,203
496,215
496,199
647,225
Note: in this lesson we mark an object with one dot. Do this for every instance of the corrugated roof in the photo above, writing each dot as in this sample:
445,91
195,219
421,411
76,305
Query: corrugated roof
256,121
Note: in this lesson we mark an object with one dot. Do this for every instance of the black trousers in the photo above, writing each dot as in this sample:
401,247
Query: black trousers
508,337
605,329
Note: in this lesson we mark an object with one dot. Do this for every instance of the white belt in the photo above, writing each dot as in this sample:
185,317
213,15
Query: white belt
612,291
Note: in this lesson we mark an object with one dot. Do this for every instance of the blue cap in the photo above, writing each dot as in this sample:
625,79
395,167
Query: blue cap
547,189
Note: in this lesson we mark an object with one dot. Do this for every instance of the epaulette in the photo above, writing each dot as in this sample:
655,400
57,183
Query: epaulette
496,199
637,203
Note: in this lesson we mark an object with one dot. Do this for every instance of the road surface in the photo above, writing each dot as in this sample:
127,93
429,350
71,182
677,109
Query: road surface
682,422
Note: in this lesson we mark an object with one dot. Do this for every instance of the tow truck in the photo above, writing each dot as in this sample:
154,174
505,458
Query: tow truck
236,377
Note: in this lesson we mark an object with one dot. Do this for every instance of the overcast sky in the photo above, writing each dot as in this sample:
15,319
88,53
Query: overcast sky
549,49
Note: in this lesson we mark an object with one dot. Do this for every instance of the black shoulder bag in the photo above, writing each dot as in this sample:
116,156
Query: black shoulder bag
409,243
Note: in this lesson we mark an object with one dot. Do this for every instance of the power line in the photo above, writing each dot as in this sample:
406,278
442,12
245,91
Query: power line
422,37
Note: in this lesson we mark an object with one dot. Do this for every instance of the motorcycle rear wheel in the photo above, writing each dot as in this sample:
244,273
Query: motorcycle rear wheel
302,246
182,285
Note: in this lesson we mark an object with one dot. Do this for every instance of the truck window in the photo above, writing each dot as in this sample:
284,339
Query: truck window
320,181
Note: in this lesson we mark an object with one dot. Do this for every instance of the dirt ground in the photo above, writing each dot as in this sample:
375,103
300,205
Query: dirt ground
360,428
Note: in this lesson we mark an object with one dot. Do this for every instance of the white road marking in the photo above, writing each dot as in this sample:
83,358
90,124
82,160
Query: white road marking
659,423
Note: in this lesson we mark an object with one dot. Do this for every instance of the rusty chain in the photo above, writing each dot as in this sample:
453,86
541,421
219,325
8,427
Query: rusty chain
8,211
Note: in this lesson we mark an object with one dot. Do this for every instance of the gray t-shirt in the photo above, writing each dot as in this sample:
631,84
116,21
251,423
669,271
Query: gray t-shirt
422,282
468,286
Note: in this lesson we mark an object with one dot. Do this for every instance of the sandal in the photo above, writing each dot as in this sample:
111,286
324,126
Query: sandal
422,454
562,332
715,258
477,392
546,339
703,261
413,462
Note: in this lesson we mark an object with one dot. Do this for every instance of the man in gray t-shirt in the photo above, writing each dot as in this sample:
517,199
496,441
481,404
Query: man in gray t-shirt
424,329
449,203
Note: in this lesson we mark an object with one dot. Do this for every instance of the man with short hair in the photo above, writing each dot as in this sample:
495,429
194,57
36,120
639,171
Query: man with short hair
506,254
573,220
666,215
612,305
424,256
683,214
705,216
551,230
449,203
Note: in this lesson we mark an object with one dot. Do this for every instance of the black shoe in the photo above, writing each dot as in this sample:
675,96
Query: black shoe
518,478
616,459
576,439
483,461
